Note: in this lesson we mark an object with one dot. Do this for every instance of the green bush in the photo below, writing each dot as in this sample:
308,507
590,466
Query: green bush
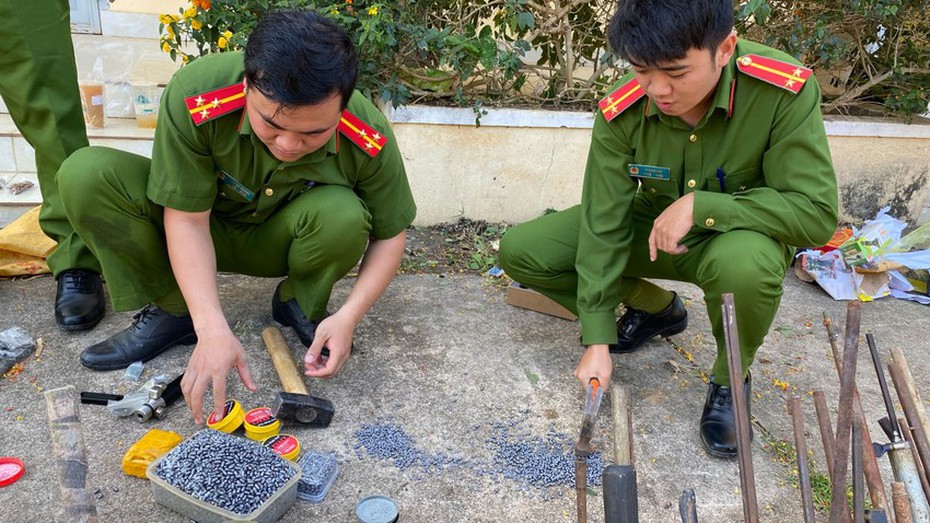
531,53
870,56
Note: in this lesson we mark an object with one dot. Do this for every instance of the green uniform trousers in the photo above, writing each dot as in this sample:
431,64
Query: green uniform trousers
38,83
315,239
541,253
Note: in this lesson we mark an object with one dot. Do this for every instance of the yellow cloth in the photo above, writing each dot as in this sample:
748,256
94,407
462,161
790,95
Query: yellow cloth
23,246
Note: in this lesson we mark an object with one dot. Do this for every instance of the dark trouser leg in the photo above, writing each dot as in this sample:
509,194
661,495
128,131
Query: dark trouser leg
103,192
38,82
315,240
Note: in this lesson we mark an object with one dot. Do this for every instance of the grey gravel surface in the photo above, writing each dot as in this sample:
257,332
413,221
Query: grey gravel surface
445,358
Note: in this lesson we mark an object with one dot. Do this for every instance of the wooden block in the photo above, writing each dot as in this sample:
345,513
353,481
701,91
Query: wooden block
520,296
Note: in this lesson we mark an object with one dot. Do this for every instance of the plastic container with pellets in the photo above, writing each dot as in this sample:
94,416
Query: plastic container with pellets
214,477
319,473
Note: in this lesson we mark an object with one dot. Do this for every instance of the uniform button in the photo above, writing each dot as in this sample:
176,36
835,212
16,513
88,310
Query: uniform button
223,194
709,222
691,184
742,187
652,190
692,138
269,192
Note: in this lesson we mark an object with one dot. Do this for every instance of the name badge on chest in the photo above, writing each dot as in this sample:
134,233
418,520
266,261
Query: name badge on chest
652,172
236,185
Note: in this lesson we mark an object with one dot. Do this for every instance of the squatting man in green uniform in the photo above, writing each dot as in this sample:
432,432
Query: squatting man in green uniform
708,164
38,83
288,185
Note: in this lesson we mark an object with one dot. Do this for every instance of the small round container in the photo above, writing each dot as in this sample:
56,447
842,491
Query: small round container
11,469
377,509
283,445
229,419
260,423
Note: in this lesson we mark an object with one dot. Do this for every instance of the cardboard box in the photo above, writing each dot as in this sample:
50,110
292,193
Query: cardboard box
520,296
861,249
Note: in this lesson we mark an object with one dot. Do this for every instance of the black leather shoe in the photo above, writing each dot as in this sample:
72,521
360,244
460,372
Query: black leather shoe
289,314
152,332
718,423
636,327
79,303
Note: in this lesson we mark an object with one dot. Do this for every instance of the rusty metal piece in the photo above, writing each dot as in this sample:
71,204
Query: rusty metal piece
826,429
873,476
839,510
902,509
800,445
858,487
581,480
897,356
920,509
921,472
740,412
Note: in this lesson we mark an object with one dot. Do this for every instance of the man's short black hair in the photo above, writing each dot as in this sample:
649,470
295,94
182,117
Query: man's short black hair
651,32
299,57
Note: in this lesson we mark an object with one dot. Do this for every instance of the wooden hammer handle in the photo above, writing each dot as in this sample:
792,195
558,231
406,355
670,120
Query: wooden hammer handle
283,361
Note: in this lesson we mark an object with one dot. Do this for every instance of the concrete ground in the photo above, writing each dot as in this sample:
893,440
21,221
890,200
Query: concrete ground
445,358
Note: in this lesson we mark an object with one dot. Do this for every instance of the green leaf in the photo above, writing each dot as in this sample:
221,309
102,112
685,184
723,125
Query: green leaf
533,378
525,20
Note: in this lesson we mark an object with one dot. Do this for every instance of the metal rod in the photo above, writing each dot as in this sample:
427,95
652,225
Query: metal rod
897,356
800,445
911,412
581,471
873,476
883,384
902,509
921,472
839,510
826,429
687,507
740,412
858,486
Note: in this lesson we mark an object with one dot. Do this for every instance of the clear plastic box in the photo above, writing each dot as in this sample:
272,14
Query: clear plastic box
179,501
319,472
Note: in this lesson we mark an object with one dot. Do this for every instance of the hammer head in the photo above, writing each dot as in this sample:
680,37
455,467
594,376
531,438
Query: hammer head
303,408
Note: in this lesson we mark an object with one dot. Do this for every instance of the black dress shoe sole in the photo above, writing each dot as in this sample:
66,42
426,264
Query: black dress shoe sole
80,326
188,339
671,330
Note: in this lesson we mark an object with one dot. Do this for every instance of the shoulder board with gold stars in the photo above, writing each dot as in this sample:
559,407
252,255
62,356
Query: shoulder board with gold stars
788,76
619,100
212,104
361,134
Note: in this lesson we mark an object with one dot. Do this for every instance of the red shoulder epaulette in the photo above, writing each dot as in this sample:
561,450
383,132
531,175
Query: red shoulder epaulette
361,134
212,104
788,76
618,101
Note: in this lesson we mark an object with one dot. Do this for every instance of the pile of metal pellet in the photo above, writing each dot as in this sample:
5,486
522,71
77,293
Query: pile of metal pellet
532,461
539,461
389,441
232,473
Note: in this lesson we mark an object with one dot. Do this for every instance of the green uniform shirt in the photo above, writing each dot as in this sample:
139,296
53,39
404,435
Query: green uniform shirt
221,165
758,160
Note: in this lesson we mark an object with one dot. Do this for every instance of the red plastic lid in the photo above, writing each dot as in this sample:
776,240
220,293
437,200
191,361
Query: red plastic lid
10,470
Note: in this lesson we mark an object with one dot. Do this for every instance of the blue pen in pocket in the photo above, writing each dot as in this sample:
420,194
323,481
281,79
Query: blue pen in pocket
720,175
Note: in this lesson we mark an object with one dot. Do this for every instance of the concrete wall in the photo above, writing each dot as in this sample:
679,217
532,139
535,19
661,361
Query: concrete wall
520,163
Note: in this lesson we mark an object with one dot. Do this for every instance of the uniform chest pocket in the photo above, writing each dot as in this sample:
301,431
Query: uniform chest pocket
736,182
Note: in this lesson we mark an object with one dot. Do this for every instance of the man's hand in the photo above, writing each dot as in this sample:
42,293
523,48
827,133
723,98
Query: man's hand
595,363
335,333
671,226
209,364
